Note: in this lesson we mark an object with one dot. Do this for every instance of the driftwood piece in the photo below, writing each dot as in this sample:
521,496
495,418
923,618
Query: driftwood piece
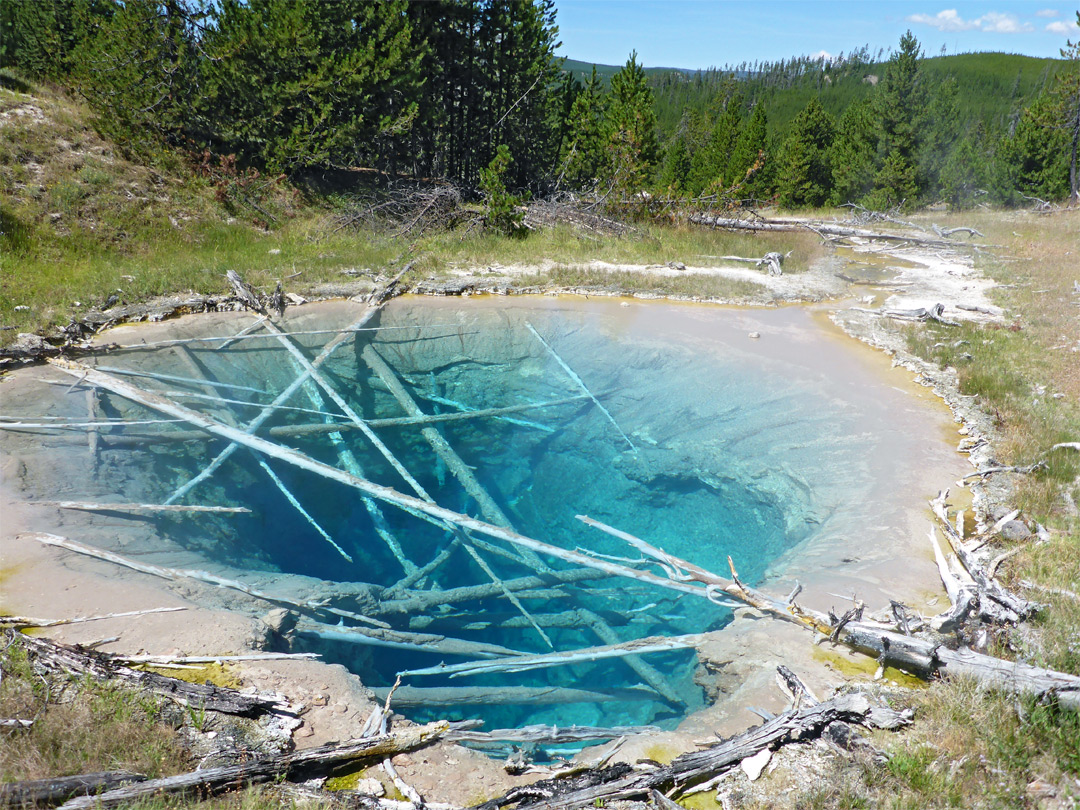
26,621
298,766
51,792
403,640
243,292
54,655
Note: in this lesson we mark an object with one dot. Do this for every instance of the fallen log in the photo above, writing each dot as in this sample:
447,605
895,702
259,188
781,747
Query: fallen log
694,768
920,656
142,507
310,429
824,229
549,734
26,621
299,766
53,655
200,576
51,792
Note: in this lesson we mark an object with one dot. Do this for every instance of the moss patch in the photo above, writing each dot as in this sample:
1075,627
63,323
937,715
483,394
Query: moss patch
862,666
222,675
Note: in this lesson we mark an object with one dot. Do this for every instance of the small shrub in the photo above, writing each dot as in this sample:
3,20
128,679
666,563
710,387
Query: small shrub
501,211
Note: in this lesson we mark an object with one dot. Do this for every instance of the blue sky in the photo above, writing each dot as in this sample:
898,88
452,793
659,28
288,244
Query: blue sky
706,33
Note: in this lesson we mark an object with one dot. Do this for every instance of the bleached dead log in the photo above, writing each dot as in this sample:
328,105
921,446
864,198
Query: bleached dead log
525,663
298,766
548,734
580,384
773,260
213,659
53,655
402,640
935,313
410,697
200,576
995,603
51,792
300,508
201,381
947,232
143,507
462,473
311,429
269,410
243,292
244,335
690,769
26,621
824,229
92,435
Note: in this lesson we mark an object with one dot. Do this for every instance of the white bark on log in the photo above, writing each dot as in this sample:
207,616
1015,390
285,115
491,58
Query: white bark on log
298,766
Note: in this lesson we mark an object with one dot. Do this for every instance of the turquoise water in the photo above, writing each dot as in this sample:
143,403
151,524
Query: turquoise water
717,444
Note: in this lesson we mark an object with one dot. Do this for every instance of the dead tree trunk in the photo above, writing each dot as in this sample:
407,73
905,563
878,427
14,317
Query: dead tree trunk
298,766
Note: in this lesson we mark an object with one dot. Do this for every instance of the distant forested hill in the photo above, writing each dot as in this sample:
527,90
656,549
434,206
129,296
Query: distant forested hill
995,86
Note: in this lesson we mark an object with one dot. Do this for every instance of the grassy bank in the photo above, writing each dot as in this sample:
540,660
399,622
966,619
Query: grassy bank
81,224
969,747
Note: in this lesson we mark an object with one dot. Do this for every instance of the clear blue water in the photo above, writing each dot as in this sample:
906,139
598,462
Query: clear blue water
742,449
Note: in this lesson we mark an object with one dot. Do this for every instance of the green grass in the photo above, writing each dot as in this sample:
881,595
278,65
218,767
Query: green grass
81,223
81,726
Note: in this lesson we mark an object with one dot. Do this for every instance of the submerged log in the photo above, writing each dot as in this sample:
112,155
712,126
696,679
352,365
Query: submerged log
524,663
414,696
298,766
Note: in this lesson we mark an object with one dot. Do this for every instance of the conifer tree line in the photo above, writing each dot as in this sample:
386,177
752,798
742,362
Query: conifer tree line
446,89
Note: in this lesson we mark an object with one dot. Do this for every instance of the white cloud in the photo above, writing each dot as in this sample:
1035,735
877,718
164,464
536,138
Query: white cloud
823,55
1059,27
1046,12
1002,23
993,22
948,20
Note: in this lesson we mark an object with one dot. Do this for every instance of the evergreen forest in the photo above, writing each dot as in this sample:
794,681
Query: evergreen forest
470,92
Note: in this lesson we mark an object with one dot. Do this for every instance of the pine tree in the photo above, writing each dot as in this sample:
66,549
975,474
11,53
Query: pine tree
303,83
805,176
901,108
750,145
138,67
710,161
941,131
630,127
852,154
584,152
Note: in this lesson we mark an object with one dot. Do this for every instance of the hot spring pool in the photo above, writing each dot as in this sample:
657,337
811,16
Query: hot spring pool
666,421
